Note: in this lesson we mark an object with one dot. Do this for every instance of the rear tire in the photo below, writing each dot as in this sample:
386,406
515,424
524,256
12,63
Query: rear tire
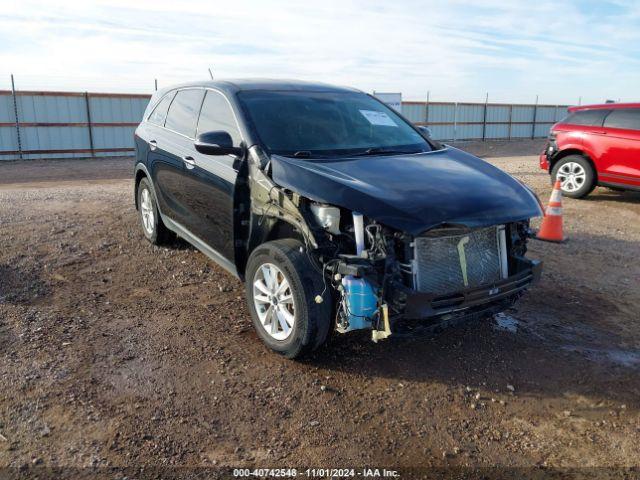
154,230
281,286
576,174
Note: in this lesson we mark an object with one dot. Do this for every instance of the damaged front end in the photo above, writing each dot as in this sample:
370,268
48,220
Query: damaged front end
377,275
443,274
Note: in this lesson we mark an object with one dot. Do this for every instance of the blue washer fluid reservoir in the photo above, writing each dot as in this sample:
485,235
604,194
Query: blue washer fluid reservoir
361,302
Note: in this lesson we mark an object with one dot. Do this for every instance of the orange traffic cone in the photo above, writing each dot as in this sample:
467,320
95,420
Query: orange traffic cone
551,227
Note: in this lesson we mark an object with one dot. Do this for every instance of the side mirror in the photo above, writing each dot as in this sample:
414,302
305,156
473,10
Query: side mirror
216,143
425,130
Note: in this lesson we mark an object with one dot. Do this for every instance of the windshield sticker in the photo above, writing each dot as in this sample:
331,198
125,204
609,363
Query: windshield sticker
378,118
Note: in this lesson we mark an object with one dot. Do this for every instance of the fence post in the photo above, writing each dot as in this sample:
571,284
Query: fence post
455,121
510,121
484,118
426,118
535,115
15,111
86,101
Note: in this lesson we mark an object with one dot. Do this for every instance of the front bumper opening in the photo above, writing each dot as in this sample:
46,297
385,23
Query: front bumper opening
427,305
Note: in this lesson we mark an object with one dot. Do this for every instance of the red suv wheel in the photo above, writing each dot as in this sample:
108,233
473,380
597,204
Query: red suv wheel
576,174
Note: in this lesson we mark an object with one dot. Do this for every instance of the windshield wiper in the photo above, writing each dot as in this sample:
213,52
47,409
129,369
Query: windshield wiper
302,154
371,151
380,151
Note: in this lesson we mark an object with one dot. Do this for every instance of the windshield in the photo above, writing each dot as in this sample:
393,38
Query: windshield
308,124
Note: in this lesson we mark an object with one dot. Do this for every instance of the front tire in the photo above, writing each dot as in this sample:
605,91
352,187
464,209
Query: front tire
577,177
281,286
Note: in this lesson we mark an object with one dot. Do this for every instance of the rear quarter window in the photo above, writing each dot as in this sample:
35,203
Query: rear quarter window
183,112
159,113
589,118
626,118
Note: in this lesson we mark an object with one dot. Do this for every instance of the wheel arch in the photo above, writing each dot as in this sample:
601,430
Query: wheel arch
266,229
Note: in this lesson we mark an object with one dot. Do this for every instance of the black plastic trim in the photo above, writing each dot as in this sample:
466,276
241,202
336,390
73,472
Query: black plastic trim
425,305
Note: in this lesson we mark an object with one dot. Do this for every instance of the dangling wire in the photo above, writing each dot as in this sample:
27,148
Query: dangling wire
324,278
373,234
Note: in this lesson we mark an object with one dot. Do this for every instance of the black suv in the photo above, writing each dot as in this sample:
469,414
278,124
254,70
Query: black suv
337,212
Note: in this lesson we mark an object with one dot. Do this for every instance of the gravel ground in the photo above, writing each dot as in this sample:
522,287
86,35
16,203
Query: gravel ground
117,353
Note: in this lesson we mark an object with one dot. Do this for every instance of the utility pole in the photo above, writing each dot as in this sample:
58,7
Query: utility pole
210,73
156,83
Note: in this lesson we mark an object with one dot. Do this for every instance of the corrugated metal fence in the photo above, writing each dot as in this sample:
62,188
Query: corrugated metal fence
71,124
68,124
479,121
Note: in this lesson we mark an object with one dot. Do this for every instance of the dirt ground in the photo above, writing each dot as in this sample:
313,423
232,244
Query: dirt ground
118,353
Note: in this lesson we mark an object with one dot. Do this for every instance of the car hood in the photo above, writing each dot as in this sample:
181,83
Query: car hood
413,192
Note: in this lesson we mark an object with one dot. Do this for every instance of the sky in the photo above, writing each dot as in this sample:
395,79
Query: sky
561,51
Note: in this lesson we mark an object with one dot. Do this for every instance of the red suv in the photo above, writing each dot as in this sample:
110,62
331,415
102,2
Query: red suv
595,145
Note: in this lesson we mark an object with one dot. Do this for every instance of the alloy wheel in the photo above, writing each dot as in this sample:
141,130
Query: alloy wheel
273,301
147,211
572,176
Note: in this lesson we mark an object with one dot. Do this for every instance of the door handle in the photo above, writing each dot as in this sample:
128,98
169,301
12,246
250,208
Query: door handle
189,162
153,144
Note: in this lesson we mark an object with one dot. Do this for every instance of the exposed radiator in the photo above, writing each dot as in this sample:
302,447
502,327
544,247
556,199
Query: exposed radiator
452,262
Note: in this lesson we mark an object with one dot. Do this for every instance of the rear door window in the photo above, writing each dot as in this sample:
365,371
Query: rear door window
626,118
589,118
216,115
183,112
159,113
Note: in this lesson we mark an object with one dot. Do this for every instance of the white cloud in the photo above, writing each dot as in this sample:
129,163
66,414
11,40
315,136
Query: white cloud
456,50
